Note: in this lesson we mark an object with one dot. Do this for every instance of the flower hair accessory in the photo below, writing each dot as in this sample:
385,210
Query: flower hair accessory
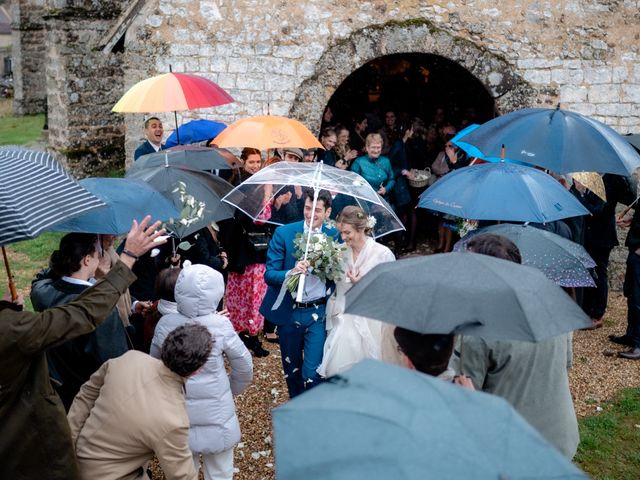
371,221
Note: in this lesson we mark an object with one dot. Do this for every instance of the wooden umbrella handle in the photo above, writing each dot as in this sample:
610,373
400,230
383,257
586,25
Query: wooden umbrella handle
12,285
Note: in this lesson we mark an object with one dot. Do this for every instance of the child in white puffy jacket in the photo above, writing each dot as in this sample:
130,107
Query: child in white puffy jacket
214,429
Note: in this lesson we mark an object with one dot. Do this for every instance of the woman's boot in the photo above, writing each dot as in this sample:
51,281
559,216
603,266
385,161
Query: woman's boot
254,344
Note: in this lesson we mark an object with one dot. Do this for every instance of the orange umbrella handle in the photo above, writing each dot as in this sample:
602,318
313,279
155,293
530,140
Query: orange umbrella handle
12,285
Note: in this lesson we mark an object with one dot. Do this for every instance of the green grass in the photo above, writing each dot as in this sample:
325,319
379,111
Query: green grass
28,258
20,130
609,442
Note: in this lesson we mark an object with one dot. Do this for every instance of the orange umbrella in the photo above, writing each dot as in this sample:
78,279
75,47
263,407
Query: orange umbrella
267,131
172,92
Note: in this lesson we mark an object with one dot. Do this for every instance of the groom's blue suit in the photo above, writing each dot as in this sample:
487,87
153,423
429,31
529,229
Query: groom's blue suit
301,328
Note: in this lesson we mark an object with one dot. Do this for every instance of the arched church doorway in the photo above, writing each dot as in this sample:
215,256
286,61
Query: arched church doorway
427,86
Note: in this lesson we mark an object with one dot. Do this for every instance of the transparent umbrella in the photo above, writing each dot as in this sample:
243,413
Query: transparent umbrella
254,194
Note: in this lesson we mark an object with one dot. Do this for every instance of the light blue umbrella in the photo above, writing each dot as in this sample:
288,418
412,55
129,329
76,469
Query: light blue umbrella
195,131
125,200
381,422
501,191
559,140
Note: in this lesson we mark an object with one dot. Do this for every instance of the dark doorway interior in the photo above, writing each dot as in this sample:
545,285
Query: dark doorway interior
413,85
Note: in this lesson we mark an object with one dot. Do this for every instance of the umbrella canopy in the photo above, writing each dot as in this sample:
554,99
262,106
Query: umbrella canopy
378,422
252,195
559,140
196,158
201,186
36,192
170,92
195,131
561,260
502,191
265,132
633,140
125,200
466,293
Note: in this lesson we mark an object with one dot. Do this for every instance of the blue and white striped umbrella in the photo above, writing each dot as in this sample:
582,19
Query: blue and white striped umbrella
36,192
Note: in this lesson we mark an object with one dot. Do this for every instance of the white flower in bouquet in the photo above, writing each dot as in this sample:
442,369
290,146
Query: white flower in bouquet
324,256
192,210
466,226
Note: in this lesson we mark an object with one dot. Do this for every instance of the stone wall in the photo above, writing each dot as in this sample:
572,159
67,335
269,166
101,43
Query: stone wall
83,84
28,57
293,55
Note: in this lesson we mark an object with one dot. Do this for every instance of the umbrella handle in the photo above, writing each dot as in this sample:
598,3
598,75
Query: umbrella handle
12,285
626,210
461,369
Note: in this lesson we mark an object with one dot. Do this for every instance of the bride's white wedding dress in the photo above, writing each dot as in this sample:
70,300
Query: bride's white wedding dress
351,338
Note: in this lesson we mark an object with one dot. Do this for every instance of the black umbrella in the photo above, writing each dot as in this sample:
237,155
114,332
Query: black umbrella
468,294
36,192
204,188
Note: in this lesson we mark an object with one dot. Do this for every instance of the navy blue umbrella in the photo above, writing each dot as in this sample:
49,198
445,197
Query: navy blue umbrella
502,191
125,200
379,422
195,131
559,140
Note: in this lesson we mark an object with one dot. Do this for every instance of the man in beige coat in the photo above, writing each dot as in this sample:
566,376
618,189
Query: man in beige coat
134,407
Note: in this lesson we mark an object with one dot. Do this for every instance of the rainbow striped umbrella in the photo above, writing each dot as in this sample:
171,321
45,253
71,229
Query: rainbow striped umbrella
171,92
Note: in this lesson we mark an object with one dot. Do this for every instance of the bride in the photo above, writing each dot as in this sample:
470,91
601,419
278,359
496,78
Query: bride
351,338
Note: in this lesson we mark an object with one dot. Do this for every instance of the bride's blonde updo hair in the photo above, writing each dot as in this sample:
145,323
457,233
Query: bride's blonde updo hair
354,216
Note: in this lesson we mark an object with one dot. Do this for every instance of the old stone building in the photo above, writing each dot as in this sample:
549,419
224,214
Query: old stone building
81,56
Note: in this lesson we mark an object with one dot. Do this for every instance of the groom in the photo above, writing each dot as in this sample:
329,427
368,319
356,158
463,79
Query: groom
301,325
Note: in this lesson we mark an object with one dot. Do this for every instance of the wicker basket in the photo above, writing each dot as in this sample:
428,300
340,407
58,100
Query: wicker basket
419,183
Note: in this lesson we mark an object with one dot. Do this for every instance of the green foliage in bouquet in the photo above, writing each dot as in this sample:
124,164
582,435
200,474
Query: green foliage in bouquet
324,255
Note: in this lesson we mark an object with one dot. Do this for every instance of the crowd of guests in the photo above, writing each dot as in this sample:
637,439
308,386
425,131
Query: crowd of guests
150,363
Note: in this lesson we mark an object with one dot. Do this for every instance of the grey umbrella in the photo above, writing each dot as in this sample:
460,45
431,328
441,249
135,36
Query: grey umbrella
197,158
466,293
563,261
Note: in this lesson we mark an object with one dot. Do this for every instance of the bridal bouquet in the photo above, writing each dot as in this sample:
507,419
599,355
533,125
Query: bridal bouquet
324,255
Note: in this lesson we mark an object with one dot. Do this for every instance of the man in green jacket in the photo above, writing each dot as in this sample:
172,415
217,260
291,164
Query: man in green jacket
35,440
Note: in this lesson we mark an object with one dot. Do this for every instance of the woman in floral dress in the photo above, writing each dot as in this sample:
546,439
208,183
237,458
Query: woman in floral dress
247,252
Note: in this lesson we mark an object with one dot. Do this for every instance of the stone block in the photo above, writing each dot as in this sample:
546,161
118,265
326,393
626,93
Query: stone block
237,65
573,94
613,109
582,108
218,63
542,77
250,82
631,93
181,50
596,75
563,76
288,51
227,80
603,93
620,74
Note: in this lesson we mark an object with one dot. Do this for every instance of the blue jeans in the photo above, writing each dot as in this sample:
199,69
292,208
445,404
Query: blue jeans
632,292
301,344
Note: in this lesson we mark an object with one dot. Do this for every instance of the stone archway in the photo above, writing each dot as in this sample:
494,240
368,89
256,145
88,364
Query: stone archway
508,89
